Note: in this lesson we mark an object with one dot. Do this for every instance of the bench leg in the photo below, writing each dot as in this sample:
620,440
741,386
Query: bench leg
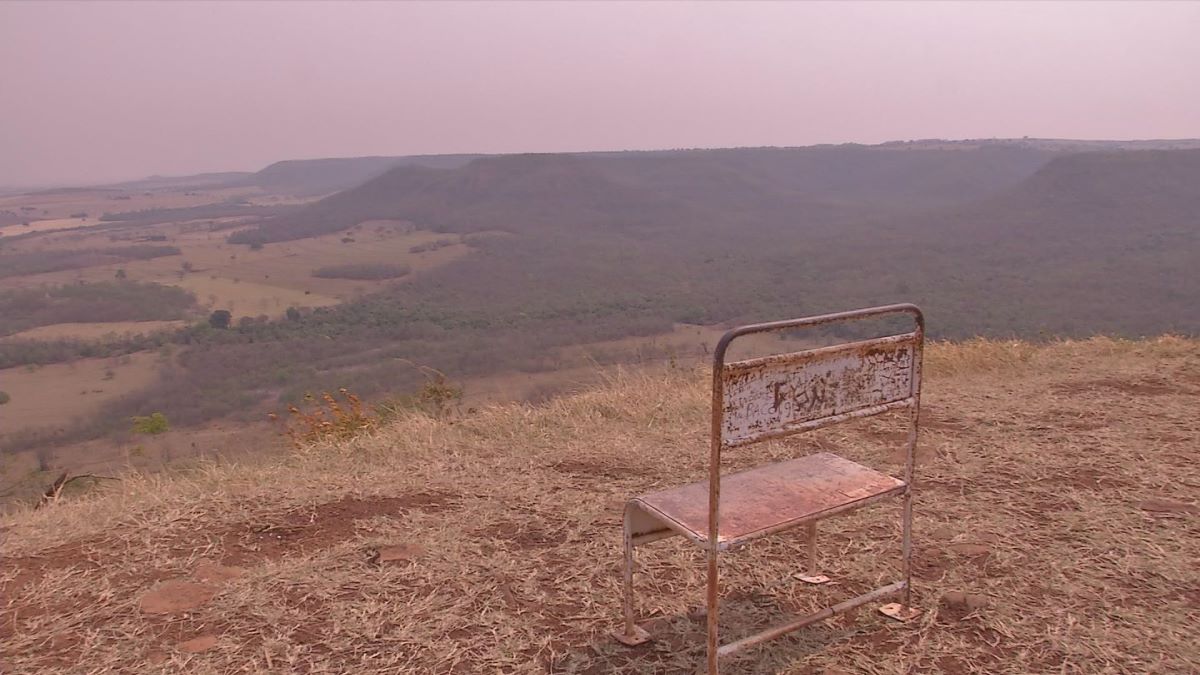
907,548
632,634
903,610
813,575
713,607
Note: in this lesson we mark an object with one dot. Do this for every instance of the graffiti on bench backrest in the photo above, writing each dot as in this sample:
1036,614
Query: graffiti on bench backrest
766,397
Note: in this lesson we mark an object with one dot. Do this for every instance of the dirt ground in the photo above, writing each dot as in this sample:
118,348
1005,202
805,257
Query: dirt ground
1056,531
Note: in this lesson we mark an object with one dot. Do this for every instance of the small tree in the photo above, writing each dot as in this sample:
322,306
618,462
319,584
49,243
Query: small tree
153,424
293,314
121,273
44,458
4,397
220,319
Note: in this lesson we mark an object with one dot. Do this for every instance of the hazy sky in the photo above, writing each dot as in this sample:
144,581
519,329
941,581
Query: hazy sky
96,91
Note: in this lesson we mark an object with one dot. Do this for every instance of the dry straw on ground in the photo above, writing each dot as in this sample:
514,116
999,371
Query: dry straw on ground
1056,531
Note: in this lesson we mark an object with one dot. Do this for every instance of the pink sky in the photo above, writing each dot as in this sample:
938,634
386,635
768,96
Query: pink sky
95,91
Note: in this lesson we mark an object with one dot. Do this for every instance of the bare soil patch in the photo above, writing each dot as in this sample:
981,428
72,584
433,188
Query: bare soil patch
317,527
175,597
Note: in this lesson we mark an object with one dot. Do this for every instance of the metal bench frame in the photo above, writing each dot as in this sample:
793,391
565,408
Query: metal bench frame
832,404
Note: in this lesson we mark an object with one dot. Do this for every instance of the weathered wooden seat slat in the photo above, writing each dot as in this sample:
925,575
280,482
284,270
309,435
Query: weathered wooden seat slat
767,498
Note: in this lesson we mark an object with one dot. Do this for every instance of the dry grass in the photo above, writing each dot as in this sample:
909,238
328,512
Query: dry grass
46,225
245,281
93,331
59,394
1041,490
59,205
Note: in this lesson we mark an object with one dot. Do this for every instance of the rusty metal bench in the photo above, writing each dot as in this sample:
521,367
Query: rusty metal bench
772,397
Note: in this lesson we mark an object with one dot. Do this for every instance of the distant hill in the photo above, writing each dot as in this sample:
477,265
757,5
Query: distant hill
1112,187
307,177
654,190
916,170
902,176
1093,242
995,240
1082,145
322,176
507,192
200,180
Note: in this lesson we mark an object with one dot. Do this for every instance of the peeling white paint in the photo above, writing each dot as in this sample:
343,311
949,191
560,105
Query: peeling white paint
765,396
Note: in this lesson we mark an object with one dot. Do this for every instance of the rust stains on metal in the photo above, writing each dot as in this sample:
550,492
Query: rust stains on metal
785,494
777,396
766,396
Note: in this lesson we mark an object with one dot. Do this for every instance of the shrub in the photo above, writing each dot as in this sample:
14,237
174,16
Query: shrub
325,418
4,397
220,318
437,397
153,424
431,245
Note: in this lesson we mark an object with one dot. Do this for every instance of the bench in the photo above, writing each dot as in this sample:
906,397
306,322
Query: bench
772,397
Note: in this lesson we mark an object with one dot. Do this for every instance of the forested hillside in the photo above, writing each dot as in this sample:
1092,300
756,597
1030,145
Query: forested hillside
305,177
991,240
995,240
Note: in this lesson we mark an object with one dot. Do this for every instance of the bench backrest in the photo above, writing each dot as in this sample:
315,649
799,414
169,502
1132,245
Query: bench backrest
784,394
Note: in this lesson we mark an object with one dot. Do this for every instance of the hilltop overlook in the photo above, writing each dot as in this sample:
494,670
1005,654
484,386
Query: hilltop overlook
404,337
1055,530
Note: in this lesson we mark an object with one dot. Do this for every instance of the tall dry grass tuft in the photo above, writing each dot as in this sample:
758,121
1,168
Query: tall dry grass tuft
979,355
325,419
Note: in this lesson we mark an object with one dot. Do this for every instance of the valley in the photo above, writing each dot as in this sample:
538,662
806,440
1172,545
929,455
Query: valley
521,277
